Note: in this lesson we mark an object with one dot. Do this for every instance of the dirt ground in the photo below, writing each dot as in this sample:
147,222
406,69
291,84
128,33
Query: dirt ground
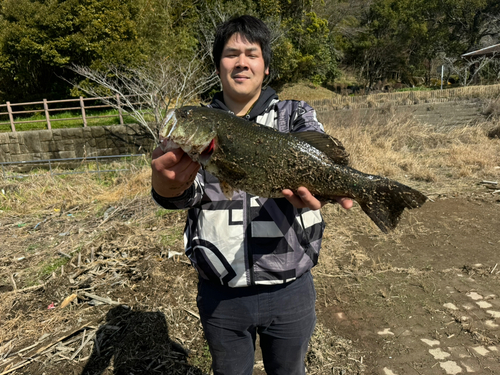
422,300
427,300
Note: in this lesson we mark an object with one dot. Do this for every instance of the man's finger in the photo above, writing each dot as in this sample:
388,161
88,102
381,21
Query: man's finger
345,202
293,199
308,199
302,199
157,153
168,159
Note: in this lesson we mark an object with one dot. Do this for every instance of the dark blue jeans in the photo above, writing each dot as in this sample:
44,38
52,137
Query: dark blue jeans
283,315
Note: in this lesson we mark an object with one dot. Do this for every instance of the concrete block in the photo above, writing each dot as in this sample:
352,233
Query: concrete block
100,143
4,138
22,148
45,135
65,133
14,148
90,143
21,157
47,155
107,152
31,141
76,133
66,145
134,130
67,154
87,133
98,131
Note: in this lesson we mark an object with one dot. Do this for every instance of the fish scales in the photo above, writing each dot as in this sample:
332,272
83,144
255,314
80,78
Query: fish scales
262,161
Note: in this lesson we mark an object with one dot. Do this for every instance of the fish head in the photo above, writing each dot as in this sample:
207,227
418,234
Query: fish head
192,131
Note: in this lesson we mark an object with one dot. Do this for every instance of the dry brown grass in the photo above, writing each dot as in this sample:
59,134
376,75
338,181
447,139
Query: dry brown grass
409,97
401,148
35,194
305,90
492,108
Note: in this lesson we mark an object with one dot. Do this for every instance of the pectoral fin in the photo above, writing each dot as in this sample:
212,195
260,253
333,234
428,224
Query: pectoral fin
227,190
229,174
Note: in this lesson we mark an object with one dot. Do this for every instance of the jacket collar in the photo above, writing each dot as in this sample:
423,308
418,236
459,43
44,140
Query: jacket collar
266,96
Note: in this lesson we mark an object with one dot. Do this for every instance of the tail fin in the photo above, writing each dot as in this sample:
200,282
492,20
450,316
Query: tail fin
388,203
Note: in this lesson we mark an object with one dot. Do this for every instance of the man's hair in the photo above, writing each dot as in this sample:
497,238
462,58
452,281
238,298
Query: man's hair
250,28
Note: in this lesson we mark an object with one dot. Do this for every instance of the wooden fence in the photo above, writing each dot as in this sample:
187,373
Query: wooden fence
335,103
80,107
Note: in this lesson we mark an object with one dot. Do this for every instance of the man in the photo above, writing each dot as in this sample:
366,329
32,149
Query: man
253,255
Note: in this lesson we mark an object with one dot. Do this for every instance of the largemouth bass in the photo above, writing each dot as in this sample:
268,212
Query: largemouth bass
262,161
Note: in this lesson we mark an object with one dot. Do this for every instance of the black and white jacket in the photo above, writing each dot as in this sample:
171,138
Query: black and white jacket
250,240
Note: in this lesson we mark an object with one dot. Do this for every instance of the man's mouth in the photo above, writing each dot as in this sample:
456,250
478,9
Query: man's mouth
240,78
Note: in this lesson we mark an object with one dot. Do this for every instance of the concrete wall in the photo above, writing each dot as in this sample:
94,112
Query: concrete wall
74,142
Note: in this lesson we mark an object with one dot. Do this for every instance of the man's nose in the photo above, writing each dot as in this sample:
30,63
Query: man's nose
242,62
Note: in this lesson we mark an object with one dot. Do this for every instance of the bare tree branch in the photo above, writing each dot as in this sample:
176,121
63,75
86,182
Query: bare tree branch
468,69
148,91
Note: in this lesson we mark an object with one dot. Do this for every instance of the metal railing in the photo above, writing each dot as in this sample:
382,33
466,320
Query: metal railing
51,163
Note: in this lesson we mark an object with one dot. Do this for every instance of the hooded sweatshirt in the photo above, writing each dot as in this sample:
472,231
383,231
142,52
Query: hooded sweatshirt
250,240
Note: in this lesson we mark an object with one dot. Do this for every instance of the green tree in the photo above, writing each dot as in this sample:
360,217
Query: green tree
38,39
302,48
168,27
469,22
305,51
395,37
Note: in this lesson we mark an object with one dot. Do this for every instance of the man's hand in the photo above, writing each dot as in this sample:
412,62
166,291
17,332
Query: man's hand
172,172
304,199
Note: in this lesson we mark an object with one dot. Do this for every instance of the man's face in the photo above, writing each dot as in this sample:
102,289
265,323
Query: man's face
242,69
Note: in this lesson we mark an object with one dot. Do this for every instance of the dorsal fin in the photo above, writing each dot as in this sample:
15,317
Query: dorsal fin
332,147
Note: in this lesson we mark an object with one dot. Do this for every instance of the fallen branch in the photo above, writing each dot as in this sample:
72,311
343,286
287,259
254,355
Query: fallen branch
100,299
90,337
13,281
34,287
64,254
109,217
192,313
43,349
17,367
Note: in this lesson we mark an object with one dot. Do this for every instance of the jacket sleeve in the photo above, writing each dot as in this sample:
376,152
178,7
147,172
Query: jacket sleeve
304,119
191,196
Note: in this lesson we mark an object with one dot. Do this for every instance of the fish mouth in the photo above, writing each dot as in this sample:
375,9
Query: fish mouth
207,153
169,141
